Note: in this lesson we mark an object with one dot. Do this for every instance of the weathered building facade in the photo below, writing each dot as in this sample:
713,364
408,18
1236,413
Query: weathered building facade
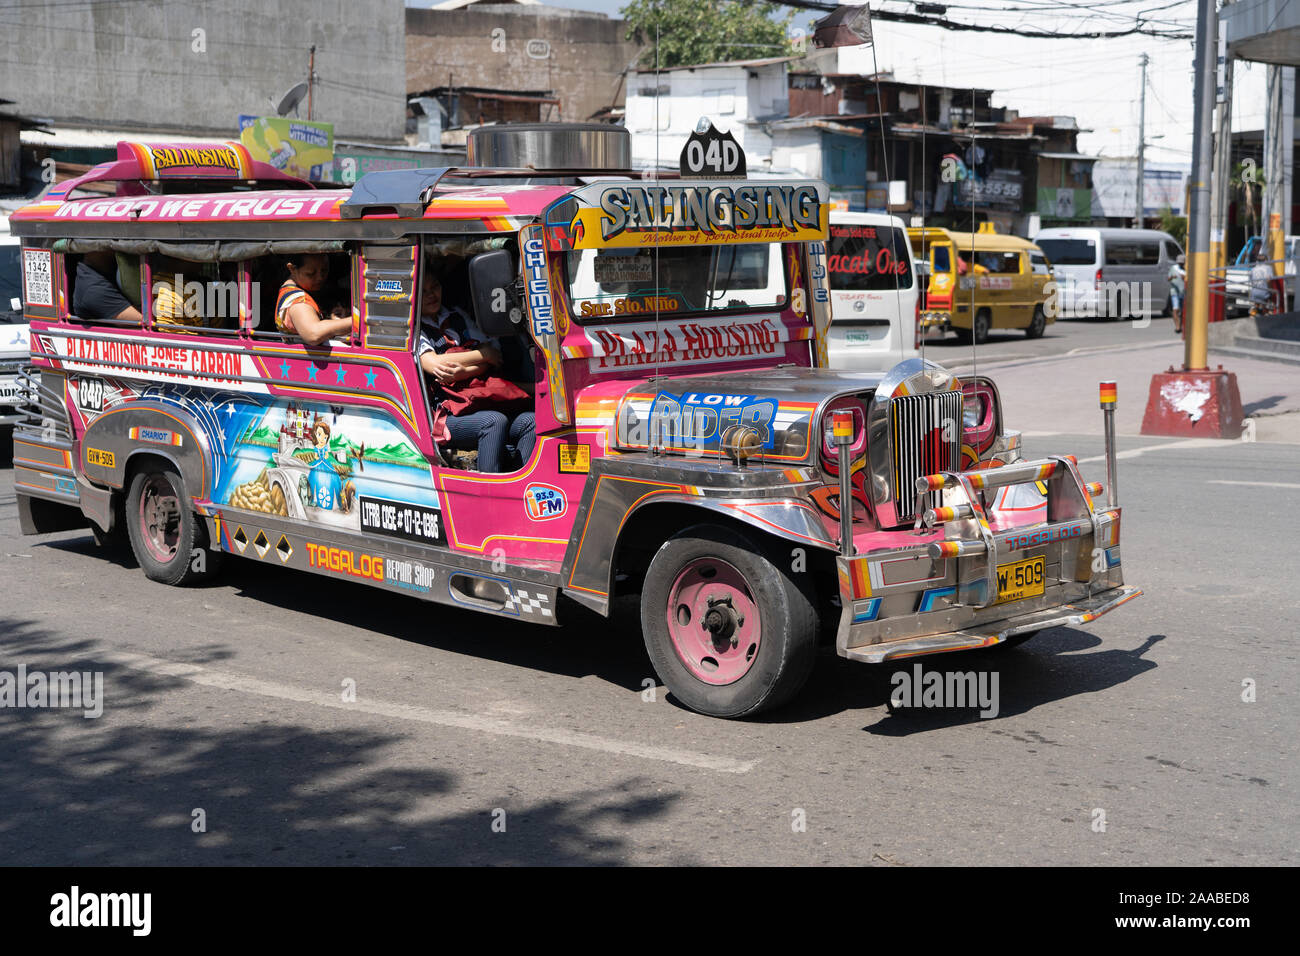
493,62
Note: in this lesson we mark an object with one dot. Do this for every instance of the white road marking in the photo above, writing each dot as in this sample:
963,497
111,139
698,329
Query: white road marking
1185,443
443,718
1261,484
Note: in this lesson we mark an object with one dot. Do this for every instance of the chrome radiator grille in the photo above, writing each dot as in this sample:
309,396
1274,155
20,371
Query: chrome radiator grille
917,425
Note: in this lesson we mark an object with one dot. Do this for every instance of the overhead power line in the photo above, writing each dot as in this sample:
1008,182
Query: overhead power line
946,24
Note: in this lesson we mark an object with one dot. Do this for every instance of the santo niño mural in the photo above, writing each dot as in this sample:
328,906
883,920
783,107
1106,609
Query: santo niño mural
314,463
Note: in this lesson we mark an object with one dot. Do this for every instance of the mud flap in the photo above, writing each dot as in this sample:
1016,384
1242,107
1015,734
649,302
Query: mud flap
38,516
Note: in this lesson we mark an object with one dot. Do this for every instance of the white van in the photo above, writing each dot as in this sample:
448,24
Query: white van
13,329
1110,273
874,292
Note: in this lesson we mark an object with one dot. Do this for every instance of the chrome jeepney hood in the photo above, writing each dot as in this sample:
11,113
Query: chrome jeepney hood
689,414
912,417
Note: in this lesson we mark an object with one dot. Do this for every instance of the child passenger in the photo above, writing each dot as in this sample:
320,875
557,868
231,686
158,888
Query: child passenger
296,312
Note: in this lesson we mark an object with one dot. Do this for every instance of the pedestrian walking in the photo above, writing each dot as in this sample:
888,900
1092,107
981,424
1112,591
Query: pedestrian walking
1261,286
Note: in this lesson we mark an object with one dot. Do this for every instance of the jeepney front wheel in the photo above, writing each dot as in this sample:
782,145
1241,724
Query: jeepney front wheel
166,536
728,629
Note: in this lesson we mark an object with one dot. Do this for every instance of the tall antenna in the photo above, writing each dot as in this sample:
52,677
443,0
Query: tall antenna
1143,60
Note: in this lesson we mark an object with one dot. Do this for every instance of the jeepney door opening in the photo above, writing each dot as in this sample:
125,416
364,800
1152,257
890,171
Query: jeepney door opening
448,259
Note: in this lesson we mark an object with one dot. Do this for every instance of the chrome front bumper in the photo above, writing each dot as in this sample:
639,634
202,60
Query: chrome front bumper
995,632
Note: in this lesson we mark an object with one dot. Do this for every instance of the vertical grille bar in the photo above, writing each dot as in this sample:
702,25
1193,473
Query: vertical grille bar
920,446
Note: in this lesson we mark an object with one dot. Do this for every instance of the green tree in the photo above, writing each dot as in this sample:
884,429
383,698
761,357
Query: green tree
1247,184
706,31
1176,226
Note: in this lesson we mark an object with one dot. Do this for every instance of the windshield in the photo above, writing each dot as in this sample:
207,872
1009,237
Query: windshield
622,283
11,285
1069,252
868,259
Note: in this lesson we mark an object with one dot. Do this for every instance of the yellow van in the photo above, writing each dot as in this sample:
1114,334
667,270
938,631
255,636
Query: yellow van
981,281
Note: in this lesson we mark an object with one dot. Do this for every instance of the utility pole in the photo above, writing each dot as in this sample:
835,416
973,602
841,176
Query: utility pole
311,77
1217,412
1142,145
1220,188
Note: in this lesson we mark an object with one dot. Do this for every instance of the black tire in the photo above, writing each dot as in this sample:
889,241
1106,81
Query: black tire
173,528
787,615
1037,325
980,326
1015,640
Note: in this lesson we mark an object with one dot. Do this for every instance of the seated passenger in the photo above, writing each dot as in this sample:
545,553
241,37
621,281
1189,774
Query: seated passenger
452,349
296,312
96,295
171,307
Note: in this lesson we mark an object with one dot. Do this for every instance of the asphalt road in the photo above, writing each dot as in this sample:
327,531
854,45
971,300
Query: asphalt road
229,700
1064,336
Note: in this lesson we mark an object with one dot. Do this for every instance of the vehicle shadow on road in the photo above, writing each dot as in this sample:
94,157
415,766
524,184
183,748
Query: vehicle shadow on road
588,645
996,337
124,788
1046,669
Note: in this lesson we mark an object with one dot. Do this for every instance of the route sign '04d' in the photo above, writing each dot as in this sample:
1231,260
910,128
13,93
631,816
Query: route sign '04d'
713,154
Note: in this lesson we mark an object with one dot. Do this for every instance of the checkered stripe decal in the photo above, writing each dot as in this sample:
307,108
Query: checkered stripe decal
529,603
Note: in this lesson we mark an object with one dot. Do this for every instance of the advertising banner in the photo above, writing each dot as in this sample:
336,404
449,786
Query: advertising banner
298,147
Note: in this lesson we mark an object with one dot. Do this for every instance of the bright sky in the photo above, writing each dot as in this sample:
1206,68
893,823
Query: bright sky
1096,81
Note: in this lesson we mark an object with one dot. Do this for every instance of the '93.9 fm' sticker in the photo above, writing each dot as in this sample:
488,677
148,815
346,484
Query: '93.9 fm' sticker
398,519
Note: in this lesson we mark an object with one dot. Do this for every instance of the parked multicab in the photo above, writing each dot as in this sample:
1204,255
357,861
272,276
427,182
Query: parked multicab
983,281
691,445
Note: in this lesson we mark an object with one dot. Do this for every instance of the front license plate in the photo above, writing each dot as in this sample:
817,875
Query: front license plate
1021,580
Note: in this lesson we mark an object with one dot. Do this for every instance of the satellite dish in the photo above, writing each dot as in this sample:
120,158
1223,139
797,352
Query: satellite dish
291,100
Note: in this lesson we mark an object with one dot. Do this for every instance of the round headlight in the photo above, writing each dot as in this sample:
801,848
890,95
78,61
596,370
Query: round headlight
741,442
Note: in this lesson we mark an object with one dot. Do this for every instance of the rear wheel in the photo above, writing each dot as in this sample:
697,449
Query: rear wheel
1037,325
166,536
726,627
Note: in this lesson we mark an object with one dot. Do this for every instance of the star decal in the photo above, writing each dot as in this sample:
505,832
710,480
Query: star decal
370,378
284,369
340,374
311,372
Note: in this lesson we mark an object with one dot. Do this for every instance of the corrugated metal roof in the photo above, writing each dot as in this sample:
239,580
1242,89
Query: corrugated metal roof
713,66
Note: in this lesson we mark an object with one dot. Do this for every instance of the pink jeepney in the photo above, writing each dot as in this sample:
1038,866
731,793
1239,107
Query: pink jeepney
691,445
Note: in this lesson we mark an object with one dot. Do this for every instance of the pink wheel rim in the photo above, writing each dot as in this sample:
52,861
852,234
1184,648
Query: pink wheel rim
160,518
713,621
